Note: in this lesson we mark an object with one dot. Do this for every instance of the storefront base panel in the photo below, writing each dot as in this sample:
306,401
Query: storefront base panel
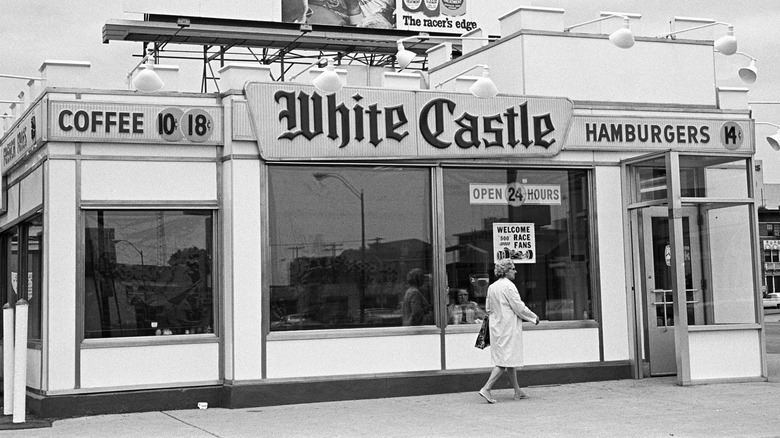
119,402
295,391
276,392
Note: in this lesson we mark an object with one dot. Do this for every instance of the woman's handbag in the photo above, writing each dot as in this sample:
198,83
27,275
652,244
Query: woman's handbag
483,338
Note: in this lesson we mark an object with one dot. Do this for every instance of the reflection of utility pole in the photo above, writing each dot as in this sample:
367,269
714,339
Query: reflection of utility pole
359,194
333,247
295,250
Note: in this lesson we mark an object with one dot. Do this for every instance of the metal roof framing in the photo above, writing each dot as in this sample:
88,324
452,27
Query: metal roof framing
261,42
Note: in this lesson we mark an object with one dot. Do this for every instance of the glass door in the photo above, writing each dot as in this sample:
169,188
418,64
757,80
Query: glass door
658,282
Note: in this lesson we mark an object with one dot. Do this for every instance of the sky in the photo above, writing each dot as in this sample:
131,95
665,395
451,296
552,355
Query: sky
36,30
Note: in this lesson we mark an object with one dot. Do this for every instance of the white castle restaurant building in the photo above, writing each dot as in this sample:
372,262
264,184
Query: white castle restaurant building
254,246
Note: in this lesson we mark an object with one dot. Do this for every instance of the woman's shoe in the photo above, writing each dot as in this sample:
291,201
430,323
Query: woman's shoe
485,393
519,395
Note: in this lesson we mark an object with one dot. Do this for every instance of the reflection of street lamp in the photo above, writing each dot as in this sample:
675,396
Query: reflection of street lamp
131,244
359,194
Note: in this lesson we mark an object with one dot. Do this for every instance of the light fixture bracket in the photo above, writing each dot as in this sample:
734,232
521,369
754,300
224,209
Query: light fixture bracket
405,57
622,38
483,87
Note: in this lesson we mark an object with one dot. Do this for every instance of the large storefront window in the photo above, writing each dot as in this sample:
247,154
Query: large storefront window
148,273
350,247
27,287
537,217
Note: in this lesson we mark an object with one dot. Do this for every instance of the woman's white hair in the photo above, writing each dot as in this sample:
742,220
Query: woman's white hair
502,267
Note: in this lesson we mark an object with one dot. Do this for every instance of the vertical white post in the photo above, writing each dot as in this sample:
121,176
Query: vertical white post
8,359
20,363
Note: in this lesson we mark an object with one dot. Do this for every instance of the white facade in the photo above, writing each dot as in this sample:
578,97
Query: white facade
66,173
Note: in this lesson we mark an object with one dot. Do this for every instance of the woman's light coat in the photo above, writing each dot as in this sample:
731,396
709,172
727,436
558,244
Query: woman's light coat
506,312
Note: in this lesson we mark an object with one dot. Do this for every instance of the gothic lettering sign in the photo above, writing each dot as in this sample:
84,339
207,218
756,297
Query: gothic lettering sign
23,138
294,121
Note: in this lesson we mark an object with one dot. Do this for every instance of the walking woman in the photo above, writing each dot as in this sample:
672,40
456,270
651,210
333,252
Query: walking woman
506,312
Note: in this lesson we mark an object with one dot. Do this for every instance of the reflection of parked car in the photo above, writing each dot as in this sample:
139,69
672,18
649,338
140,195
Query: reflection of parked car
296,321
383,316
772,300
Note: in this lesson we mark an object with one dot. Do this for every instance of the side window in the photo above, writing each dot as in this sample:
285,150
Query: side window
23,250
148,273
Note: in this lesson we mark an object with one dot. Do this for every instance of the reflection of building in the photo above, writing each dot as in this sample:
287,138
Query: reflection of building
768,230
323,290
222,176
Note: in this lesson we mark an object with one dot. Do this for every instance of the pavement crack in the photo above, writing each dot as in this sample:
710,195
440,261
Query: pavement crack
189,424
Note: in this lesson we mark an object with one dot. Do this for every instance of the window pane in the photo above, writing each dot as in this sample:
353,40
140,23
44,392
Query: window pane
148,273
714,177
11,266
34,275
343,242
726,245
552,259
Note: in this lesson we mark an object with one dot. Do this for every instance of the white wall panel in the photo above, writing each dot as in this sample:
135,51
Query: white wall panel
148,150
60,274
13,204
31,190
728,354
149,365
612,268
539,347
34,358
329,357
593,69
243,301
148,181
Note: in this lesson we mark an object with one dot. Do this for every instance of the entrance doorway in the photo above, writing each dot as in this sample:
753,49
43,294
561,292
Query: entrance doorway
657,284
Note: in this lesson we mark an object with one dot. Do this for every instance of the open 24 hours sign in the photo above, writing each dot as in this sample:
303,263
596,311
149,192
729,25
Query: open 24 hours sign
129,123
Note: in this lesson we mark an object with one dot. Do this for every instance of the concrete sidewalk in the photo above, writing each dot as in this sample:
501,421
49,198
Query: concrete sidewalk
654,407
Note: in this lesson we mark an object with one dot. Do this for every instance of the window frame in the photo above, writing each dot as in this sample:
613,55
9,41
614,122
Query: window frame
439,256
216,266
267,263
21,226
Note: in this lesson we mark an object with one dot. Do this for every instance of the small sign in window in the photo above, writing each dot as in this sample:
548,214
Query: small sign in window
515,194
515,241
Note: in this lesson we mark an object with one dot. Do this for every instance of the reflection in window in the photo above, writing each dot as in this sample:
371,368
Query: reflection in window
148,273
350,247
553,279
33,289
727,251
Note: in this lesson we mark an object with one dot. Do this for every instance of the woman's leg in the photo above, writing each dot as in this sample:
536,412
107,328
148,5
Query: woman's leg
513,378
494,375
485,391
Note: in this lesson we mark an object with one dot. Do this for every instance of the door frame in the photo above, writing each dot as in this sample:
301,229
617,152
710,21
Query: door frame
671,200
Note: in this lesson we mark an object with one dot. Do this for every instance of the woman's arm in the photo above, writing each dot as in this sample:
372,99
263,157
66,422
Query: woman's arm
518,306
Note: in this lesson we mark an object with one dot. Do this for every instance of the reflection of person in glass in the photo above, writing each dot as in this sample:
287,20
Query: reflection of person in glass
414,306
463,311
506,312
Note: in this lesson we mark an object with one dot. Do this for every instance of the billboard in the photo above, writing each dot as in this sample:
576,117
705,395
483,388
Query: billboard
434,16
448,16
